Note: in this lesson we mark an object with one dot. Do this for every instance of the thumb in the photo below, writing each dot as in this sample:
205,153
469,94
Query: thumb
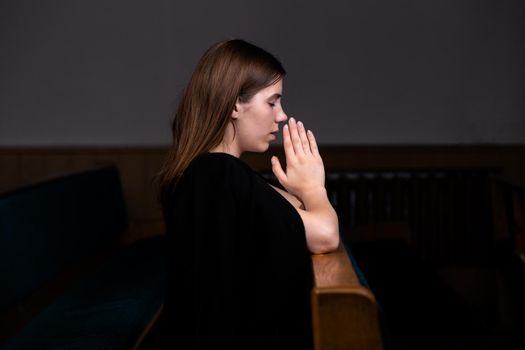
278,170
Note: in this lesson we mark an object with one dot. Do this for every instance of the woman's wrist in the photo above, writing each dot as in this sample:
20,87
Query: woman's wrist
312,197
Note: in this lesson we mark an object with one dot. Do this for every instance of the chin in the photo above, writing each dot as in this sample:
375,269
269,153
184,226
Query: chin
265,147
261,148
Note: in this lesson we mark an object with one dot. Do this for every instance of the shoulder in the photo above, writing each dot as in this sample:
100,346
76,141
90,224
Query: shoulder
218,170
210,177
218,164
217,159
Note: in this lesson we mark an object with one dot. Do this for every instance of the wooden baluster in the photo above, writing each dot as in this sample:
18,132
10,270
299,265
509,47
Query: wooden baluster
519,219
361,198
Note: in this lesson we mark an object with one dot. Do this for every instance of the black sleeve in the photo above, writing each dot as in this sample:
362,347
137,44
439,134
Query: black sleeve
205,285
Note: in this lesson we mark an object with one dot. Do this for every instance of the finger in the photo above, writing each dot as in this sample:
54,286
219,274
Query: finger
296,140
313,143
278,170
304,138
287,143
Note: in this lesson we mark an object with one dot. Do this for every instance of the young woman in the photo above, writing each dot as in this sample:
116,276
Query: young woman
239,274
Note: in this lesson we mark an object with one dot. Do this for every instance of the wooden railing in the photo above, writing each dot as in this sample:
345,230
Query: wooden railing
447,210
344,312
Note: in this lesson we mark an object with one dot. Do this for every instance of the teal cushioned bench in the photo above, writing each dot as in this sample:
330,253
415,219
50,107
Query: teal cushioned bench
107,310
47,227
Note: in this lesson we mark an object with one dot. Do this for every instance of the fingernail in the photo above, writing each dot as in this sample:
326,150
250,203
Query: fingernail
309,132
300,123
292,119
285,126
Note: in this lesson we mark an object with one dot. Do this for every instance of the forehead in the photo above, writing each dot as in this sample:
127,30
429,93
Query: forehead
271,90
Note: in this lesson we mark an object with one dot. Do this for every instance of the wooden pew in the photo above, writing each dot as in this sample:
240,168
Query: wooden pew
344,312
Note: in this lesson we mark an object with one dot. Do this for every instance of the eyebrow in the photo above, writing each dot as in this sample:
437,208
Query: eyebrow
274,96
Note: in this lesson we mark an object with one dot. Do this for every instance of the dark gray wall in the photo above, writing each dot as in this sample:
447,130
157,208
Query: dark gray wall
379,72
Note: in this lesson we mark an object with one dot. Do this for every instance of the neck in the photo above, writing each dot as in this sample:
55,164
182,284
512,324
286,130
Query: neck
223,148
228,144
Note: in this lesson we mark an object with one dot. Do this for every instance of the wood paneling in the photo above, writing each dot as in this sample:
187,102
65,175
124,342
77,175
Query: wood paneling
511,158
9,171
139,165
136,166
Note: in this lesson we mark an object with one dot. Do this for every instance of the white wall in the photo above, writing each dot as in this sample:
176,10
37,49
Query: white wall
369,72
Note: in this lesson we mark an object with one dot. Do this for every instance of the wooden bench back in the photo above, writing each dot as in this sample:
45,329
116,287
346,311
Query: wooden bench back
345,313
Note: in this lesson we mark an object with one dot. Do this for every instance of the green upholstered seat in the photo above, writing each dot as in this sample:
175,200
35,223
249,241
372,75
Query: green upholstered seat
46,227
109,309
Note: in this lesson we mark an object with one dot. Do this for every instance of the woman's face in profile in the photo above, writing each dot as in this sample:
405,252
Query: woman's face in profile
257,121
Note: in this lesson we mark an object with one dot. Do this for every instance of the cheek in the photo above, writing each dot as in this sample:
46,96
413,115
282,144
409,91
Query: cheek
264,120
266,125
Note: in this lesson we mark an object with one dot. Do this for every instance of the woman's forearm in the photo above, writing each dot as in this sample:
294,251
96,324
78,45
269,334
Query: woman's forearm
320,221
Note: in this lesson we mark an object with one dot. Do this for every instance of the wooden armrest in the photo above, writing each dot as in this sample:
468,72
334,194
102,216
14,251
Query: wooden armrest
344,312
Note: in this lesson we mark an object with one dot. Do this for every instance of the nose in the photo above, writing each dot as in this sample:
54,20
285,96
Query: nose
281,117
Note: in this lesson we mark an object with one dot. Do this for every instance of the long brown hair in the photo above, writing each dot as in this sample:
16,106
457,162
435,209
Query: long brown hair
228,70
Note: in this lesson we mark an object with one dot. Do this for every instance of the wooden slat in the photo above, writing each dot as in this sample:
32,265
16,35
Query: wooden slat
55,164
131,168
81,161
499,217
9,171
518,211
152,164
31,167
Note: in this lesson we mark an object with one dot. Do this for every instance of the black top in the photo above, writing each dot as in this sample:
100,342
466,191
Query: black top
240,272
